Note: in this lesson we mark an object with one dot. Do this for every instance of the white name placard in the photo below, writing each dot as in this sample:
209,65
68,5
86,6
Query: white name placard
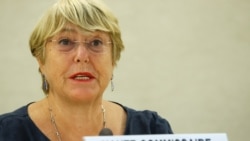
161,137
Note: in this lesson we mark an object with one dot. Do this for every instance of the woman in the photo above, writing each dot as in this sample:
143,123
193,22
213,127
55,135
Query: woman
77,44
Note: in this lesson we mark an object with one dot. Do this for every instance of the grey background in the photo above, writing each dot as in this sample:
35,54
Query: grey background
186,59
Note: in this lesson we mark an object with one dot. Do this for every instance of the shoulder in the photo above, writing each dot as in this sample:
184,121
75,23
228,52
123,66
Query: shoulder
145,122
17,124
19,114
12,124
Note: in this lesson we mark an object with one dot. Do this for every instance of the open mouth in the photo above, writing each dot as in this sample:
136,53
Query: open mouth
82,76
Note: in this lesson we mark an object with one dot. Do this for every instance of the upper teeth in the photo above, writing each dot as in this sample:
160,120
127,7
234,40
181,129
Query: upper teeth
82,77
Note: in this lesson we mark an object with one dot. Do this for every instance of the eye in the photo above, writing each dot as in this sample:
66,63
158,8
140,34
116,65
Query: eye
96,43
65,42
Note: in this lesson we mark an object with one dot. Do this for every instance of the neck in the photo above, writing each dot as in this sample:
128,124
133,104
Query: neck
72,108
87,120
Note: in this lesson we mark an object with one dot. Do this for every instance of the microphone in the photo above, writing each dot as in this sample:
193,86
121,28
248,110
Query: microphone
105,132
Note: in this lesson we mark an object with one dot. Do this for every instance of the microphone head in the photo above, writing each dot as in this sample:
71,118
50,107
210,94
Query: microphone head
105,132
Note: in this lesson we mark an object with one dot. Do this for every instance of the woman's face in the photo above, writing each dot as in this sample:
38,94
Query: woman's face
78,64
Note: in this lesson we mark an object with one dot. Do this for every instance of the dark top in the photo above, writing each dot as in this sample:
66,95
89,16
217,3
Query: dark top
17,125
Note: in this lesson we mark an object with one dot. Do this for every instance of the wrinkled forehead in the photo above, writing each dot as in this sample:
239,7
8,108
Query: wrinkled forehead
73,30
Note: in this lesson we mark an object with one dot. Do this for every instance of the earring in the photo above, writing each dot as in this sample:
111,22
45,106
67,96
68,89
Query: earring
112,84
45,85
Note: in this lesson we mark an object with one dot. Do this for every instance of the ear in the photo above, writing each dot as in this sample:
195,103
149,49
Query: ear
41,65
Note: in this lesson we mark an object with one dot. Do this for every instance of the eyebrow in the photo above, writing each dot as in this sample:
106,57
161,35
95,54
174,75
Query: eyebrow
68,29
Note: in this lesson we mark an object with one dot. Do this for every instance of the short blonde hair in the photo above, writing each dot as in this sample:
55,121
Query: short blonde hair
90,15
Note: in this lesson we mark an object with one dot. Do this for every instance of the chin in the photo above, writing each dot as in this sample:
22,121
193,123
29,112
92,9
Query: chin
83,95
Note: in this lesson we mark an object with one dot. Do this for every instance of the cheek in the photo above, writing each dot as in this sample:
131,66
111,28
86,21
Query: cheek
104,66
54,65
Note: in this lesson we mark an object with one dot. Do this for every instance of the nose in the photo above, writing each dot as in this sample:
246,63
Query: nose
81,53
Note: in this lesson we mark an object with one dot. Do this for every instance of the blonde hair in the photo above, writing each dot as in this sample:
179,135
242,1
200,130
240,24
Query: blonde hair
90,15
